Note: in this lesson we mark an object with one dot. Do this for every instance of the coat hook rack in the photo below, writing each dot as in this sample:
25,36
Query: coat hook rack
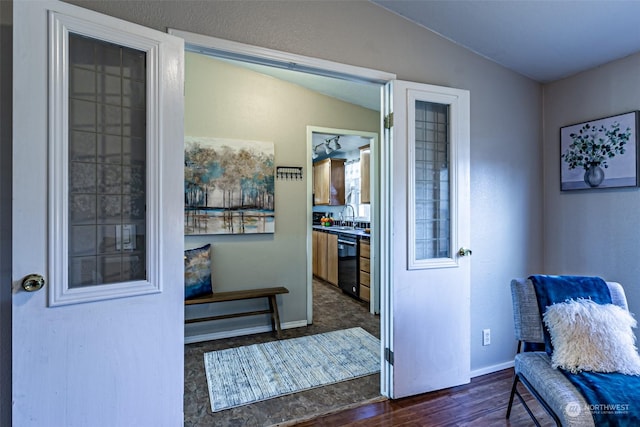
289,172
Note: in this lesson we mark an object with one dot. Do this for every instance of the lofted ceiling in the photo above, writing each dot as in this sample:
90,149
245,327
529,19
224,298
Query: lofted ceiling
364,94
545,40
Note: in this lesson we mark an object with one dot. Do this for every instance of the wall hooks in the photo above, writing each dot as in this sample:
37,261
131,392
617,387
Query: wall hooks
289,172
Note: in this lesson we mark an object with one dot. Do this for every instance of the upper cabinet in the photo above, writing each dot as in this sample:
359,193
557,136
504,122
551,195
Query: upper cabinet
328,182
365,174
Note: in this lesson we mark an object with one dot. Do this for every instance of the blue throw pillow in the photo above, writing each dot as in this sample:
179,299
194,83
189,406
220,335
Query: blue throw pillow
197,272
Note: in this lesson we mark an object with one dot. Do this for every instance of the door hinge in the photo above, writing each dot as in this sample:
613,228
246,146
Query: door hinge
388,121
388,355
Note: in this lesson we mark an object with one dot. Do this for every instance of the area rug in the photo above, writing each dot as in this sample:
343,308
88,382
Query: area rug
242,375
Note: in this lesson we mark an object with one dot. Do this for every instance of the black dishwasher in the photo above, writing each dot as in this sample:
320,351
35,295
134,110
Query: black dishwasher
348,264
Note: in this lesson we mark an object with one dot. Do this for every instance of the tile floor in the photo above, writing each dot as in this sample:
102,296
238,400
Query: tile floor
332,310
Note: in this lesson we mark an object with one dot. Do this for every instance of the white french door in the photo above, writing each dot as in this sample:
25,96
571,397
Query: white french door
97,268
426,317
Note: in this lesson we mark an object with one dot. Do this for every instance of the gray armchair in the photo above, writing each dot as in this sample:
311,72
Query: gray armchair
533,366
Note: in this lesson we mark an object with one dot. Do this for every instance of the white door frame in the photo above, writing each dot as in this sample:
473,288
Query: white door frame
329,68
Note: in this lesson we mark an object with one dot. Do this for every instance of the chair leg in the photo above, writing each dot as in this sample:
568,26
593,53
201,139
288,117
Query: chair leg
513,392
540,400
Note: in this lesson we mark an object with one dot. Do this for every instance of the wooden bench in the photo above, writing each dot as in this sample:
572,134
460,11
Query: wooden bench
269,293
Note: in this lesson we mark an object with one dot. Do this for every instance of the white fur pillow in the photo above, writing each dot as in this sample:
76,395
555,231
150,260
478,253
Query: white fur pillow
587,336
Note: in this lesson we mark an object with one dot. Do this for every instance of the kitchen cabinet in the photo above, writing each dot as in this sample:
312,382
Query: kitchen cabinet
365,174
320,254
332,259
314,252
365,271
325,256
328,182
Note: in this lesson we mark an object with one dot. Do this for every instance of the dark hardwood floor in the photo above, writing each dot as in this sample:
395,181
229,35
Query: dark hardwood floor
483,402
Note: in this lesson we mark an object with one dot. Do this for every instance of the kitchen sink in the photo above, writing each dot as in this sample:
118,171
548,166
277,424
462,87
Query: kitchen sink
343,229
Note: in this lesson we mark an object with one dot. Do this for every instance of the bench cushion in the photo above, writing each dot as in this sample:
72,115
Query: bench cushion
197,272
554,388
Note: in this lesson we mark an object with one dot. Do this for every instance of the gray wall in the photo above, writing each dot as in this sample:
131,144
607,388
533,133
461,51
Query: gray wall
592,231
224,100
6,64
506,163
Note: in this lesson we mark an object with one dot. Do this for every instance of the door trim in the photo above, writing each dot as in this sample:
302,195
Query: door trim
60,25
457,100
276,58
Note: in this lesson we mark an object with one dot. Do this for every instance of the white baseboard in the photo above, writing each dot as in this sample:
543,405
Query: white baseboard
239,332
491,369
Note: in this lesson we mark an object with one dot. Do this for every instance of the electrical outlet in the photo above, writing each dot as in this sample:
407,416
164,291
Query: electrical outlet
486,336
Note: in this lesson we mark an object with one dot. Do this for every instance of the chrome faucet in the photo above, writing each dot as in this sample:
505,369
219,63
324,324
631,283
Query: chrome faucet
353,215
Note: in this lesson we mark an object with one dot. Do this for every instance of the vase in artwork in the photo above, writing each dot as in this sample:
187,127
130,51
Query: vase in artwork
593,175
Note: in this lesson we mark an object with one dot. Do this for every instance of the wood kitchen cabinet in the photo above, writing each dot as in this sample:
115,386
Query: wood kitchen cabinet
325,256
320,254
365,174
365,271
314,252
332,259
328,182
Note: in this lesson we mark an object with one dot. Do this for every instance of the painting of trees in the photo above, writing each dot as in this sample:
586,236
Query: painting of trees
228,186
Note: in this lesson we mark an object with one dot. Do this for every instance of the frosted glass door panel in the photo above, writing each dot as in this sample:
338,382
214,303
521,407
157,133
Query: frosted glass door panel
432,212
107,163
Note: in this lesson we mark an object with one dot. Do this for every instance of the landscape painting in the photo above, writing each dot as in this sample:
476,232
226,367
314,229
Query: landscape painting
228,186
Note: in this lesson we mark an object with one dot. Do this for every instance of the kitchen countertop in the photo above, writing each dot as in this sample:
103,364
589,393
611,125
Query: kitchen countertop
342,230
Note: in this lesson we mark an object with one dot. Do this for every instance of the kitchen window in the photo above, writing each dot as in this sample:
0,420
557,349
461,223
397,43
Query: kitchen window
352,189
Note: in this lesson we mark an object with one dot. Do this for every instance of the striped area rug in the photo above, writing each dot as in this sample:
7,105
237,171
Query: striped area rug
242,375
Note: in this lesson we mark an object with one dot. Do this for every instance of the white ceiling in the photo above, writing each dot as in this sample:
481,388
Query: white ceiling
545,40
364,94
348,143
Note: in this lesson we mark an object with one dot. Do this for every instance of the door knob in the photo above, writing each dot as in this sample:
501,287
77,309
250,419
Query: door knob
32,283
464,252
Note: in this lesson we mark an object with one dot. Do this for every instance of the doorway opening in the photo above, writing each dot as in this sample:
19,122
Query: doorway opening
350,212
356,104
